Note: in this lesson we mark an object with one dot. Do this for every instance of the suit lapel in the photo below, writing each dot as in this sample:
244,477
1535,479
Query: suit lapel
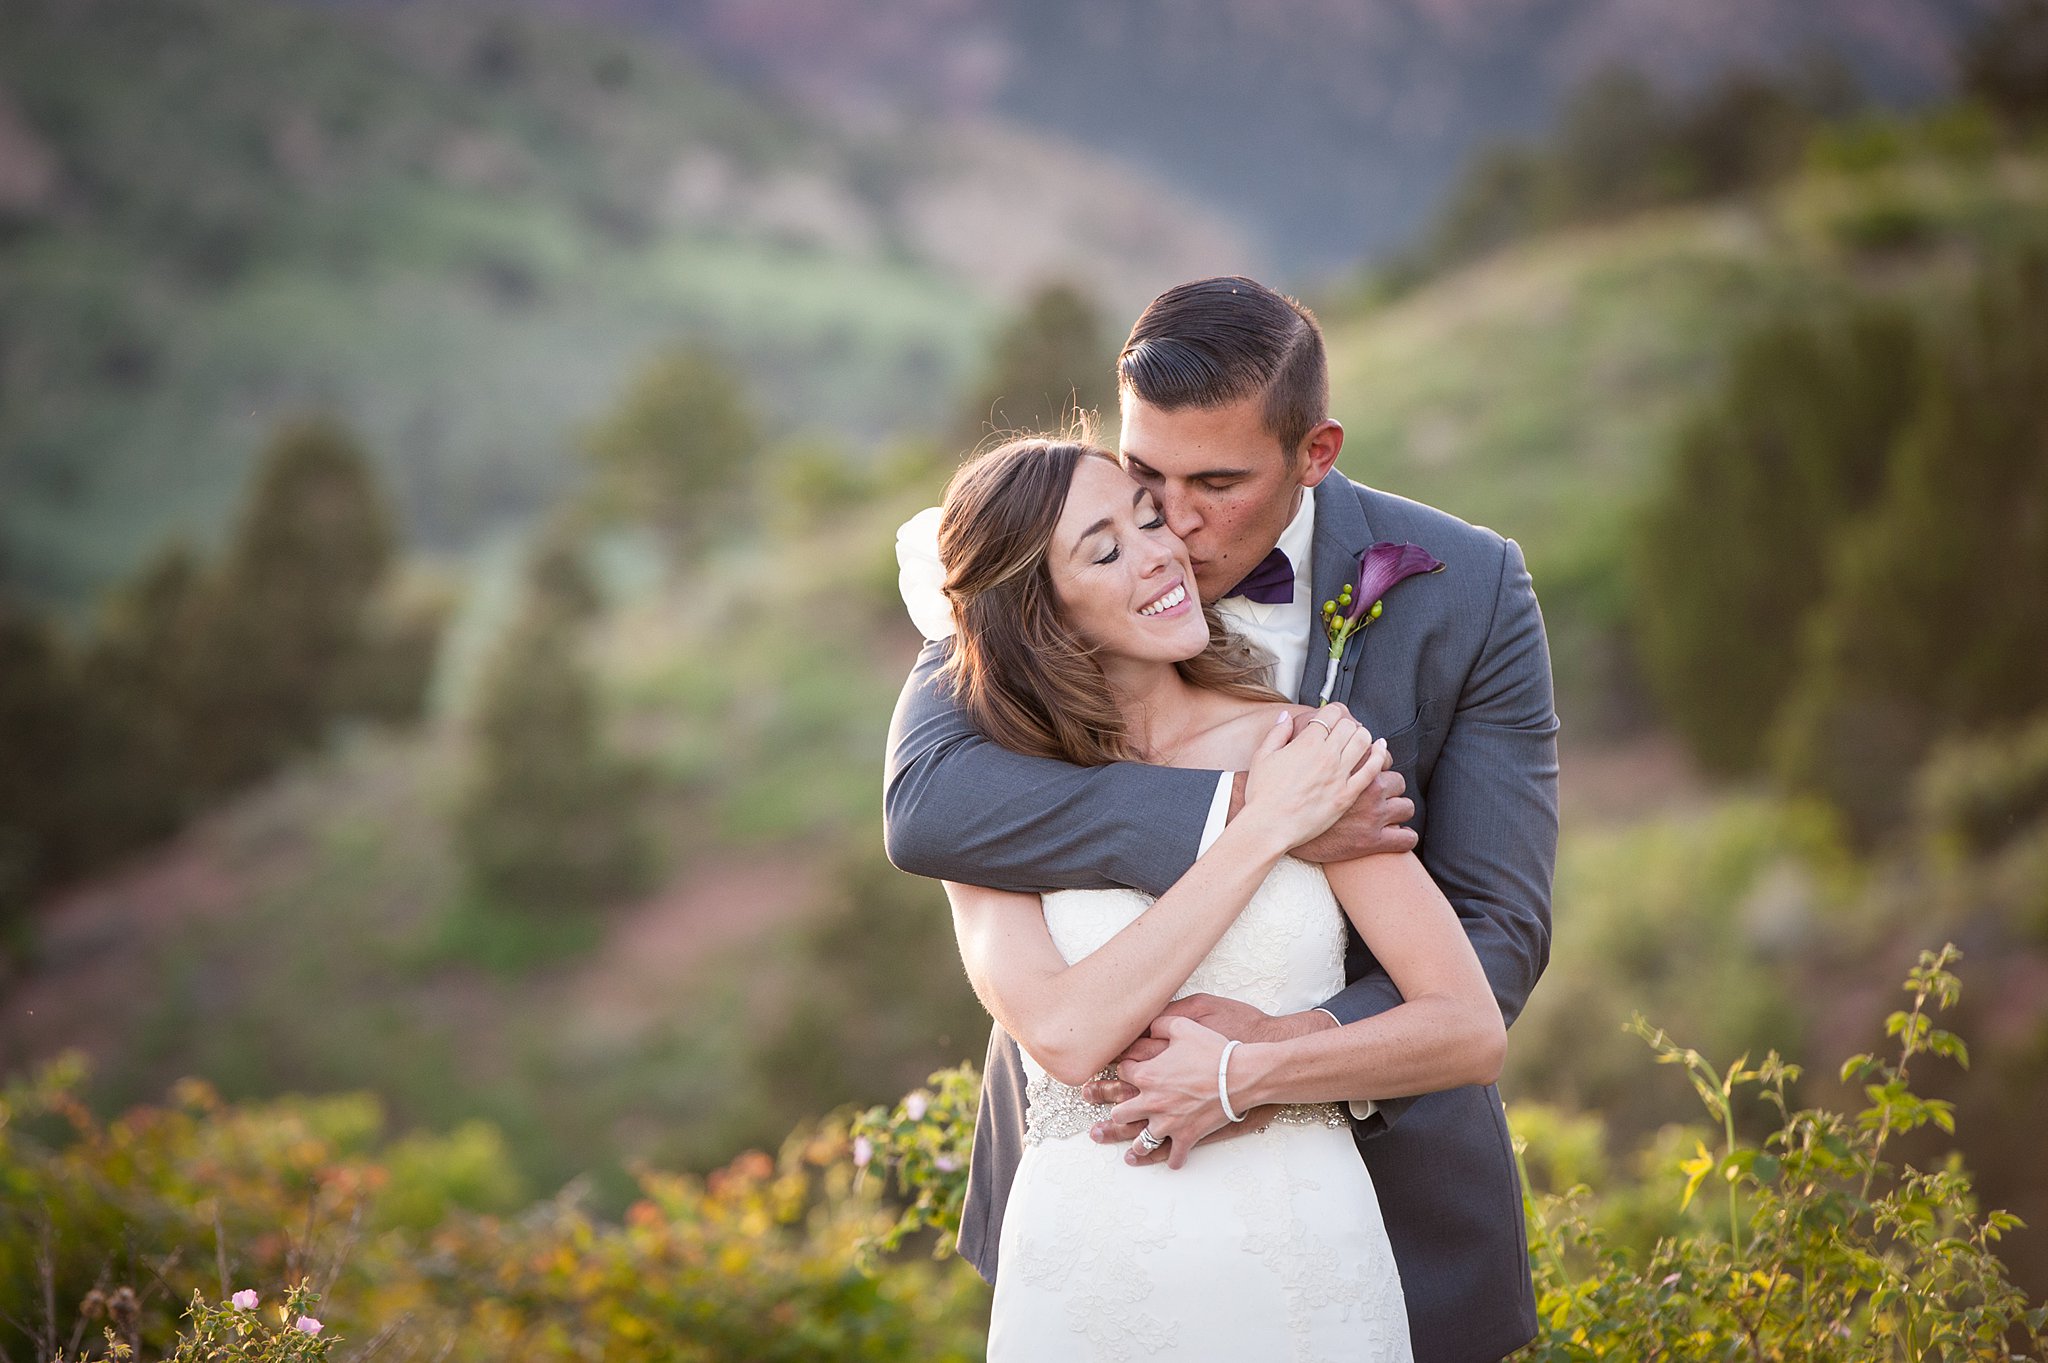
1341,536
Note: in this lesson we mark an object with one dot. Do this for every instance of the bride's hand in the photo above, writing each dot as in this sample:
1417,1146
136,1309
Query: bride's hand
1177,1101
1298,787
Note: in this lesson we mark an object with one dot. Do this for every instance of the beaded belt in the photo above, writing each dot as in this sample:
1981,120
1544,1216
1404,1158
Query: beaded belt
1054,1110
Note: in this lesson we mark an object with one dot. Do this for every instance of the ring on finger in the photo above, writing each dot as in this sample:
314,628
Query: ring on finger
1147,1141
1324,725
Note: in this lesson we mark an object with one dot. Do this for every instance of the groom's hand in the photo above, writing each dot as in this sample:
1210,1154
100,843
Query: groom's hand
1373,824
1240,1021
1235,1021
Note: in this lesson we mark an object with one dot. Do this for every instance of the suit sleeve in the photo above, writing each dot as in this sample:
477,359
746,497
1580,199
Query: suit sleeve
1491,840
958,807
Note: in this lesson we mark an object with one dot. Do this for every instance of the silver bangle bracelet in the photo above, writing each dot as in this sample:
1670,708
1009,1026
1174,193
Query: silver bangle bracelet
1223,1081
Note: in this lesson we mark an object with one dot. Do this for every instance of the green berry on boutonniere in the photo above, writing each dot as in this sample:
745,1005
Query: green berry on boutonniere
1360,603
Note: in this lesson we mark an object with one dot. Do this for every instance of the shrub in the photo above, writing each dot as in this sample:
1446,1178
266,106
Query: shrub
1830,1250
1817,1245
1977,793
113,1224
920,1148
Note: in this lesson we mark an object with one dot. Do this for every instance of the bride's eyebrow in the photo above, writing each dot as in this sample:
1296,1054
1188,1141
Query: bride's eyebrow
1104,524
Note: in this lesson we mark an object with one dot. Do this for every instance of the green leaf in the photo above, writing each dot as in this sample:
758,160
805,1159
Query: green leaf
1696,1170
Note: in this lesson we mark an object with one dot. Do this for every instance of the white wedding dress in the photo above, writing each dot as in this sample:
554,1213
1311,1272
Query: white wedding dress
1268,1246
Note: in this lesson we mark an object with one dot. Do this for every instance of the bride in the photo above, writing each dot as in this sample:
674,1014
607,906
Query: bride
1081,638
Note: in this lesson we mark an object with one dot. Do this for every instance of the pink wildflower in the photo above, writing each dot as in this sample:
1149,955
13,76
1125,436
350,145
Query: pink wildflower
863,1151
915,1105
306,1325
244,1300
945,1164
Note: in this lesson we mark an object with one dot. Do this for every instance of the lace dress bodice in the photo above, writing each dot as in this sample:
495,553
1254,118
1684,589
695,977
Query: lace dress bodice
1284,953
1267,1246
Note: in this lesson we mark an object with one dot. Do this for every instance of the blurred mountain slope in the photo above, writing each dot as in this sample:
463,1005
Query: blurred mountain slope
462,230
1330,127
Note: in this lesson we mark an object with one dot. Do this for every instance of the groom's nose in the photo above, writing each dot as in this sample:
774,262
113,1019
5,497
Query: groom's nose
1181,516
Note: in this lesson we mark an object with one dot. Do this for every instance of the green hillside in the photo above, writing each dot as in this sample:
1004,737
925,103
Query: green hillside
461,231
1538,391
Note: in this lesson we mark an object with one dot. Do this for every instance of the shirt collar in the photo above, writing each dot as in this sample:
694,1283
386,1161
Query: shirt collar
1297,541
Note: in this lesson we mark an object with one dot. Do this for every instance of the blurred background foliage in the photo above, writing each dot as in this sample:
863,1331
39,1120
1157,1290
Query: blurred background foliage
449,463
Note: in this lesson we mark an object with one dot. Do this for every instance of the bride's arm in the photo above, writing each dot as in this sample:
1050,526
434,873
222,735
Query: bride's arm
1075,1019
1446,1032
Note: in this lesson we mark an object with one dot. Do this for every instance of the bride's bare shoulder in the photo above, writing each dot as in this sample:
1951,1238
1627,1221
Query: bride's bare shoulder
1228,745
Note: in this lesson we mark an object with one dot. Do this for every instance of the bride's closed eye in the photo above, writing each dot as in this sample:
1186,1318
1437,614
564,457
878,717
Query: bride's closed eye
1158,522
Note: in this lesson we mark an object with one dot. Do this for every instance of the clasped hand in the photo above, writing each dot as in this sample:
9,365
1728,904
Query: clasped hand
1167,1078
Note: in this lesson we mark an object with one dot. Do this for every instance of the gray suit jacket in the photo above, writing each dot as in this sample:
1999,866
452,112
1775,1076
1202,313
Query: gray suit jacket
1456,676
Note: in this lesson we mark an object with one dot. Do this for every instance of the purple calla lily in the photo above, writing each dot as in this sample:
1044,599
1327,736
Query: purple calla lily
1384,565
1380,568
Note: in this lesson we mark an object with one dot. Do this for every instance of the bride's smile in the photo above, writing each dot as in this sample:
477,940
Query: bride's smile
1122,579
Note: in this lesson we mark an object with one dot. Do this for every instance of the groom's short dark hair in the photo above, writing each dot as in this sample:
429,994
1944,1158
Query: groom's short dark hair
1217,341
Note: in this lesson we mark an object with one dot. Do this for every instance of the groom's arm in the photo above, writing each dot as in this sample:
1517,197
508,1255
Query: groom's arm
958,807
1491,842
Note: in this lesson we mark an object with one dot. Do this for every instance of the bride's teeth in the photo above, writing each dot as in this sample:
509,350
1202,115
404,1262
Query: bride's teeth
1166,602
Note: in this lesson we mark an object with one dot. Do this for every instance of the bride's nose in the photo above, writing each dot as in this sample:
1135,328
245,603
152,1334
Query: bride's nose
1157,555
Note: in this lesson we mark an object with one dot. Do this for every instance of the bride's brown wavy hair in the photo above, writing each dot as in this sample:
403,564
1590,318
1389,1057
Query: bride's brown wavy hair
1021,674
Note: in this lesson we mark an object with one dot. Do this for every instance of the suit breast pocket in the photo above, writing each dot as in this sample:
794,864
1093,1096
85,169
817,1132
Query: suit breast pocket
1412,752
1404,745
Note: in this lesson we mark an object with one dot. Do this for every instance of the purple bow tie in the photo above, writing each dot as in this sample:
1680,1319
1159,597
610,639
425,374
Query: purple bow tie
1269,584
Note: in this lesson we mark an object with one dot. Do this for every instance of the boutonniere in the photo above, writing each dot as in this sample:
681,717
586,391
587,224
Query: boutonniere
1358,605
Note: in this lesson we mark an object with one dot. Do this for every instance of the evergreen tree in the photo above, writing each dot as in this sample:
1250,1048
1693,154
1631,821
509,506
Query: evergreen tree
1730,557
1936,615
559,580
678,445
136,677
1050,362
1613,146
40,734
2005,62
882,1010
548,825
391,677
1505,192
1744,131
285,617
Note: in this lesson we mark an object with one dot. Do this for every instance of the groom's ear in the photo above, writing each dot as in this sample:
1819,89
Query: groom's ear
1318,452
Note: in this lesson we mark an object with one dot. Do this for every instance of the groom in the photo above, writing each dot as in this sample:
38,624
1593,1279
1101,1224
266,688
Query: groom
1224,398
